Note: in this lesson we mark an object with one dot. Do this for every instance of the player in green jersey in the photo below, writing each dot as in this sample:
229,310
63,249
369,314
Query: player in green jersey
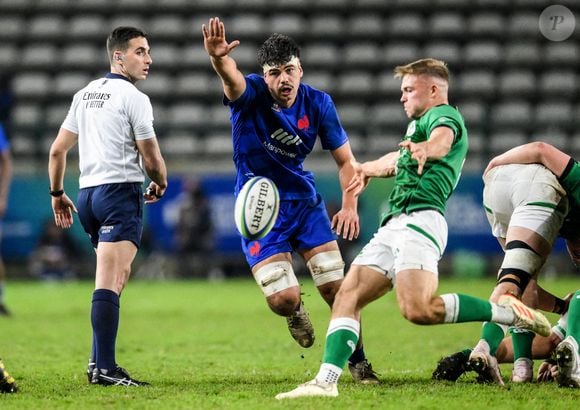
405,251
567,170
526,207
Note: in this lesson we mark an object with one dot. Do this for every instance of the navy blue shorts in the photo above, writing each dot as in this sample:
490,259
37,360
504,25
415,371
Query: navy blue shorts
112,212
301,225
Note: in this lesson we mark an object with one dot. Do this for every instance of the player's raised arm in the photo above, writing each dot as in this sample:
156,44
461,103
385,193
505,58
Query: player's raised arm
218,49
384,167
534,152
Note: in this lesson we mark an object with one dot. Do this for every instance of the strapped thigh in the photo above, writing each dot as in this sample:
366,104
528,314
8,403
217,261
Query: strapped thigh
326,267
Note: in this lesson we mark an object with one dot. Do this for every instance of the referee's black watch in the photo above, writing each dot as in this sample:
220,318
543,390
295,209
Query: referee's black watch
56,194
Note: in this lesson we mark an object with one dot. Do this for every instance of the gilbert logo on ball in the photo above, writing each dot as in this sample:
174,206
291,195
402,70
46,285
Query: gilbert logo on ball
257,207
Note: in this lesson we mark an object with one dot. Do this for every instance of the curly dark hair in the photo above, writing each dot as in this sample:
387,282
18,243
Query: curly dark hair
278,49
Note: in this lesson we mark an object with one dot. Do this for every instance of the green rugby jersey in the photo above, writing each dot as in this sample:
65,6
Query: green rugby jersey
430,190
570,181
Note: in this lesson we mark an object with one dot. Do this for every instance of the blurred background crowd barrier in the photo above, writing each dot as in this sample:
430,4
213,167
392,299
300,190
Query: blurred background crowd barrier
512,84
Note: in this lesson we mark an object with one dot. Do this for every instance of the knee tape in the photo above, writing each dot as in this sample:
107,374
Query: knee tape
326,267
275,277
523,259
521,262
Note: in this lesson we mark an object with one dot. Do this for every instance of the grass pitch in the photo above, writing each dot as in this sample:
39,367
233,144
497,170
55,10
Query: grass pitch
206,345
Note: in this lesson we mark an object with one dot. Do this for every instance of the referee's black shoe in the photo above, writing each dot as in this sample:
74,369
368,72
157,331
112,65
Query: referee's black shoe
117,377
90,369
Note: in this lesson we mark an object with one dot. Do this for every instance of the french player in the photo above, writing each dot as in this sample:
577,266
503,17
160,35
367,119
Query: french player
275,123
112,121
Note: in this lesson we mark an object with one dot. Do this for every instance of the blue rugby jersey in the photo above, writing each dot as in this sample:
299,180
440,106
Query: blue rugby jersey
272,141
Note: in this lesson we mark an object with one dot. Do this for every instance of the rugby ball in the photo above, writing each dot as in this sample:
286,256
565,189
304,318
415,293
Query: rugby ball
257,208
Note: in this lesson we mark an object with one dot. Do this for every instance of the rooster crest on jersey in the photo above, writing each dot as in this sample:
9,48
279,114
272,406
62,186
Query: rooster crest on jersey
257,208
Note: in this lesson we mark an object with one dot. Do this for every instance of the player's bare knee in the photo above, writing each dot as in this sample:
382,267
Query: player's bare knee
422,313
415,316
285,302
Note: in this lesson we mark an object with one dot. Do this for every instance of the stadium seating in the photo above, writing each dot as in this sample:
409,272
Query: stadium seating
517,83
405,26
444,50
325,26
522,54
512,84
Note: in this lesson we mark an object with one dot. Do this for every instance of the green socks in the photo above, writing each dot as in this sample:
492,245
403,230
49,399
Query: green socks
464,308
341,340
522,342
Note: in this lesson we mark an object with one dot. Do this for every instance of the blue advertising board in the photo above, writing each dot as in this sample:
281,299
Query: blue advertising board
29,209
162,217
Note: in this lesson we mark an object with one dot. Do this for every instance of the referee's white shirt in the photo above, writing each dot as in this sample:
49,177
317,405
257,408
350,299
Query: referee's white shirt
108,115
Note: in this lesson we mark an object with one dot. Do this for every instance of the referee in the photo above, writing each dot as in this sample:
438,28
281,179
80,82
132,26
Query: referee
112,121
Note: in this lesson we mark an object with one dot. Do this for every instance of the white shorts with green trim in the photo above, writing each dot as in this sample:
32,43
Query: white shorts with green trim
528,196
414,241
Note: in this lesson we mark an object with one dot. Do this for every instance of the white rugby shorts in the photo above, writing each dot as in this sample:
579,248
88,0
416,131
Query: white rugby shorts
414,241
528,196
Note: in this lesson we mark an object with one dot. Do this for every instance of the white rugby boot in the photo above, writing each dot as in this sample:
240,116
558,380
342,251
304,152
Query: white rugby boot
526,317
313,388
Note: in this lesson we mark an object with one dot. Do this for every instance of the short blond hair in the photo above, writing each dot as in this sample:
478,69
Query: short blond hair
427,66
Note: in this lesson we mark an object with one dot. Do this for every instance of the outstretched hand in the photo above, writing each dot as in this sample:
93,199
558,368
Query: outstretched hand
63,207
418,152
359,180
214,39
346,224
